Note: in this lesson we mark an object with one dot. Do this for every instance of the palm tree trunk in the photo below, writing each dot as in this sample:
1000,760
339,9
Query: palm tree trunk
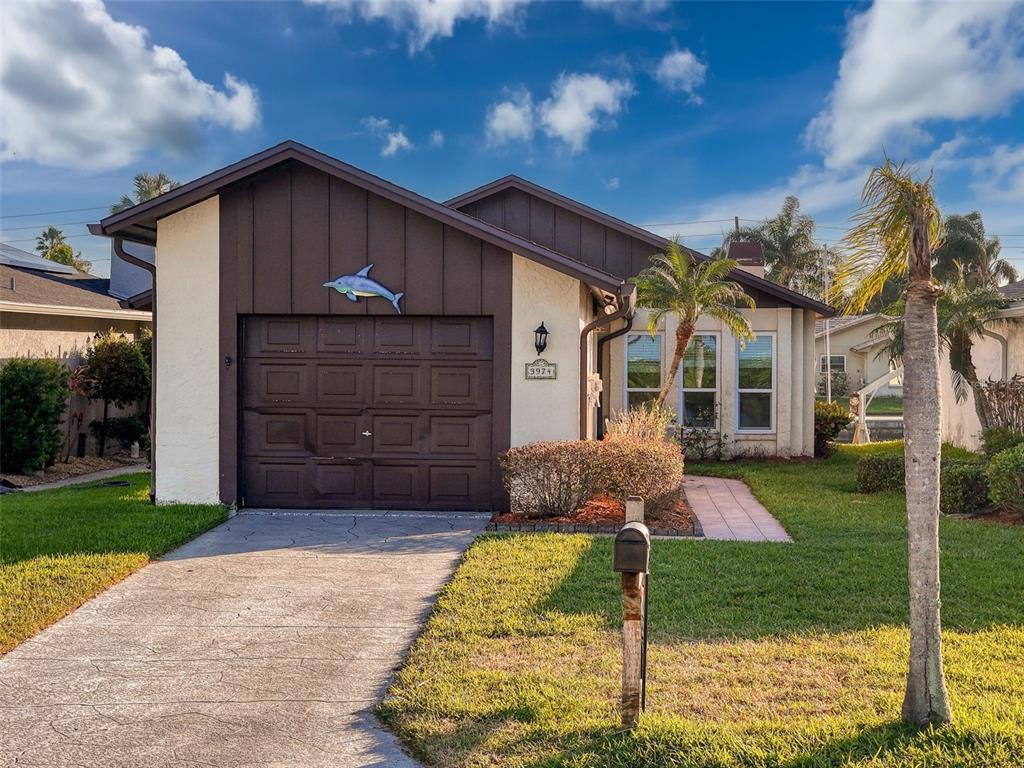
926,699
684,332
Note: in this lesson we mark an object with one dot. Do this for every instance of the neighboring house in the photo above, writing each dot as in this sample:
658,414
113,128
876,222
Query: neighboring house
50,310
130,283
999,354
286,377
857,349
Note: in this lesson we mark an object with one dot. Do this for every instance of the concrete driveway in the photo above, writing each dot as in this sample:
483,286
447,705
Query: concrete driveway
264,642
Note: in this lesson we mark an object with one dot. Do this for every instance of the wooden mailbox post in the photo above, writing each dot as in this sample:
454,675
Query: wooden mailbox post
631,558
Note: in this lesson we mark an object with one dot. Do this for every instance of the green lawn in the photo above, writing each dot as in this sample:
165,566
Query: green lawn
60,548
762,654
880,405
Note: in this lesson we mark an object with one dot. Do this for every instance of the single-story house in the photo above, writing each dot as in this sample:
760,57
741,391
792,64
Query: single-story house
998,354
856,348
51,310
325,338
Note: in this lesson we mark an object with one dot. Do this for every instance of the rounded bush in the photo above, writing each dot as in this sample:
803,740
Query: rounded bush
651,469
550,479
829,420
1005,474
33,395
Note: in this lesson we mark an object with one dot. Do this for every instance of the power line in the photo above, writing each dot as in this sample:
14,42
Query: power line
32,239
49,224
53,213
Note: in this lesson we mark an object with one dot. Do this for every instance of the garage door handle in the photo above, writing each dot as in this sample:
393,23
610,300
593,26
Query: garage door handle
367,433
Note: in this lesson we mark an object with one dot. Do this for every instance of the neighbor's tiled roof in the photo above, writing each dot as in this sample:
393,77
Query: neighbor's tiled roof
34,287
838,323
1014,291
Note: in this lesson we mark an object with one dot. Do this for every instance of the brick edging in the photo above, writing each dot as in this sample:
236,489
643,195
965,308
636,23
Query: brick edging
608,530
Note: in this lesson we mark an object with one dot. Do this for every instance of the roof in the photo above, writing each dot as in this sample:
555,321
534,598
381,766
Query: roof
843,322
15,257
138,223
657,241
49,293
1013,291
748,254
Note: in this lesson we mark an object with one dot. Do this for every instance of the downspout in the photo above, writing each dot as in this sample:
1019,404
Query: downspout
600,366
151,268
627,308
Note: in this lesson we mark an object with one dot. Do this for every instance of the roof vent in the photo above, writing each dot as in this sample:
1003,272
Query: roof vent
749,255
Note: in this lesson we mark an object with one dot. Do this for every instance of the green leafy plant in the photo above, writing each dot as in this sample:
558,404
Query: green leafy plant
963,488
115,372
997,439
33,396
1005,474
701,439
124,429
829,420
840,384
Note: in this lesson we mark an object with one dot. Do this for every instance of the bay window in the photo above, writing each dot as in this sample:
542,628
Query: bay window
755,373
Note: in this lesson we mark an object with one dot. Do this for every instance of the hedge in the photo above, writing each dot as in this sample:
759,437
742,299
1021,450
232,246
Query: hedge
1006,479
963,486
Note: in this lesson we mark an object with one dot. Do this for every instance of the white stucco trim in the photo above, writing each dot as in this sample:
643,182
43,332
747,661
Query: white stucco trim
61,311
187,371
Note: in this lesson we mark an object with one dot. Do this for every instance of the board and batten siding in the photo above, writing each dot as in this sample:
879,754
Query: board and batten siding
292,228
187,395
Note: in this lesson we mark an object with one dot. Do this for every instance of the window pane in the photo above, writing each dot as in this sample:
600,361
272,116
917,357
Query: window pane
838,363
755,361
699,409
634,399
643,362
755,410
699,362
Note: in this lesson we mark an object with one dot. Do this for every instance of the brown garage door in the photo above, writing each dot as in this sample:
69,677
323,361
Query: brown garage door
388,412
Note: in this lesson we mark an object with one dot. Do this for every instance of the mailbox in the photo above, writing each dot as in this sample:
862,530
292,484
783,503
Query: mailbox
632,549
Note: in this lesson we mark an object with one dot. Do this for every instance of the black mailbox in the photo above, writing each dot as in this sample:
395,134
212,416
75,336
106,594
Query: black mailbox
632,549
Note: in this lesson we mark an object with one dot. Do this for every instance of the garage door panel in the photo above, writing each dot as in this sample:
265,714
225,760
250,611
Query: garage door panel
460,435
461,386
341,384
342,484
397,433
276,483
397,385
459,486
281,335
460,337
400,336
277,433
269,383
398,484
342,335
340,434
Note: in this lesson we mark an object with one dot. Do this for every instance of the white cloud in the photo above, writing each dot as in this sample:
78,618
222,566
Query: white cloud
626,11
436,139
394,139
907,63
579,105
510,120
1001,174
81,90
681,71
610,184
424,21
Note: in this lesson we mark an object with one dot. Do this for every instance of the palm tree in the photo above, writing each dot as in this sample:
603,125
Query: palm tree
894,232
790,253
965,244
675,285
51,244
963,309
147,186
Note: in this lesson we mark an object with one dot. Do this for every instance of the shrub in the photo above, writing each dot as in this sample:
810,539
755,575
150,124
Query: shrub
840,384
963,488
880,473
829,420
997,439
1006,479
125,429
643,422
115,371
652,469
1003,402
33,395
550,479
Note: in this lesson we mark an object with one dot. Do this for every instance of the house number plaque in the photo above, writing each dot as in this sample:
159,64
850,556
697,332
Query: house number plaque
541,369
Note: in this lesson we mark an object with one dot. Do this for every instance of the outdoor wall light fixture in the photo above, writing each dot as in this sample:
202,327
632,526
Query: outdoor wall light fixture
540,338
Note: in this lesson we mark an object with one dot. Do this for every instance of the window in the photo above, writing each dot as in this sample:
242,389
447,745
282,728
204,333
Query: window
643,368
755,374
838,363
700,382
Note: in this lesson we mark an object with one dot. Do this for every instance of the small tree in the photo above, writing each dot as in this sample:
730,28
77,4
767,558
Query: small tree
115,371
33,395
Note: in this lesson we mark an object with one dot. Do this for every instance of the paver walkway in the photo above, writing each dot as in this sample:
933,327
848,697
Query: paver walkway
726,509
264,642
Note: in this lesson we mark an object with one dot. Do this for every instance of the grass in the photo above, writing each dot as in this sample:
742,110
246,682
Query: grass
761,654
60,548
880,405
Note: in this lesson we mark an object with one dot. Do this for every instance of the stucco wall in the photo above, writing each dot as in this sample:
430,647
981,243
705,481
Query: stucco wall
55,337
793,418
187,396
545,409
960,424
862,366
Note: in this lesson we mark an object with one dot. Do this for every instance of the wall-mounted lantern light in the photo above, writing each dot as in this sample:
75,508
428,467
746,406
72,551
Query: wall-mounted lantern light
540,338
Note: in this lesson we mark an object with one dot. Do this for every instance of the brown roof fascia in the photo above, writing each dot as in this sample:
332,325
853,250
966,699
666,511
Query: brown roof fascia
138,222
657,241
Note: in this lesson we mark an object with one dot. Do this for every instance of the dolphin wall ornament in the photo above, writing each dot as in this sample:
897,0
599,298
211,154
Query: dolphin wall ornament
361,284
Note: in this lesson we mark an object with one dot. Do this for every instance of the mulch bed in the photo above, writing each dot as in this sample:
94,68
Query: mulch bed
602,515
999,518
73,468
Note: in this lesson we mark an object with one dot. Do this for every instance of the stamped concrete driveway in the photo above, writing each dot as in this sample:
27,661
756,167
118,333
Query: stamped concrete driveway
264,642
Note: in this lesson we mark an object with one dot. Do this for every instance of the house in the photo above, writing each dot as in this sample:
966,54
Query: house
856,349
325,338
998,354
53,311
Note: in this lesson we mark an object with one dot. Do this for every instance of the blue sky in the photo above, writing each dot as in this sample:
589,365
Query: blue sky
674,115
